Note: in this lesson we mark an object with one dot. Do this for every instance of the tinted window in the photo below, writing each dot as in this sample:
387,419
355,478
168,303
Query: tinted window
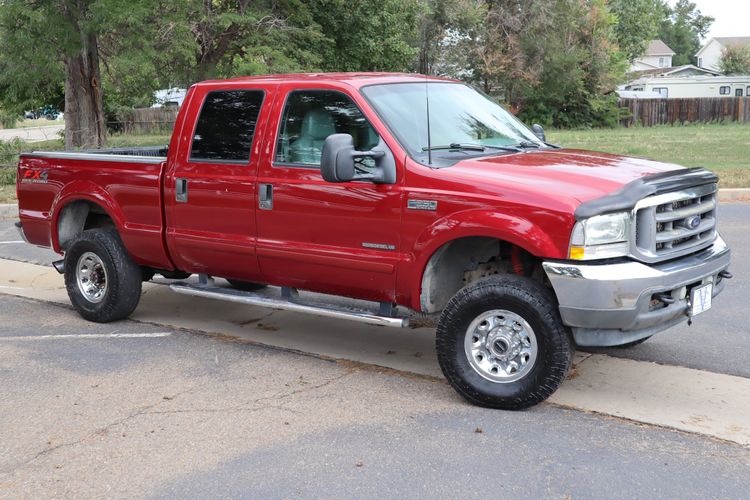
724,90
310,116
738,92
226,125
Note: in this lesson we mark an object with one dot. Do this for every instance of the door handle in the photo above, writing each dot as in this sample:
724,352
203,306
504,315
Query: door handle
265,196
180,190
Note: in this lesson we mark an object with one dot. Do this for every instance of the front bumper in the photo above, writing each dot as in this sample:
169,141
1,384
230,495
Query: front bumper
613,304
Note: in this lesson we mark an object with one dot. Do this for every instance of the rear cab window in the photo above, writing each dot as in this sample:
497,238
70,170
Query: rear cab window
226,126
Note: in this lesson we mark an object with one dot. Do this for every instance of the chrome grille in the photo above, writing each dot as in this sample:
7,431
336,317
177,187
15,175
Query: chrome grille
672,224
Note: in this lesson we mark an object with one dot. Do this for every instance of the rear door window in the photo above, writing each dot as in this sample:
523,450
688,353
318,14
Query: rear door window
226,126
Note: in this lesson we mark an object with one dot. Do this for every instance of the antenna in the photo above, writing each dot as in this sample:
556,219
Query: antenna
427,101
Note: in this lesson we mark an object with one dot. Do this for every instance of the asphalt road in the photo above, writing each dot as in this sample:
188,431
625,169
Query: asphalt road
718,340
128,409
134,409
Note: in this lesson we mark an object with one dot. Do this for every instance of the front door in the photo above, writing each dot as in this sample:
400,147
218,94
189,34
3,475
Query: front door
210,189
312,234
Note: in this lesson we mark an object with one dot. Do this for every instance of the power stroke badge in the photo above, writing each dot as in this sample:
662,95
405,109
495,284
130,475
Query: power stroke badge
430,205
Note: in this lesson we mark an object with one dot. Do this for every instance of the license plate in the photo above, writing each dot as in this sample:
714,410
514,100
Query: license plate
700,299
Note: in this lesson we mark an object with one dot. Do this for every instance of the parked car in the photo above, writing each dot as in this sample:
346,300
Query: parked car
418,194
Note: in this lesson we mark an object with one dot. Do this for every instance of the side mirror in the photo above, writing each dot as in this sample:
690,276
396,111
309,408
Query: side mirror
539,132
338,161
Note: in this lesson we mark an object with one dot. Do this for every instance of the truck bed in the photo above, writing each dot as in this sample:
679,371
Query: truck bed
126,182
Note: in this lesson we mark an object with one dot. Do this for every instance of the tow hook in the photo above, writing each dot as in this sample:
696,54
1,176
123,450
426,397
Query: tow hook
726,275
59,266
665,298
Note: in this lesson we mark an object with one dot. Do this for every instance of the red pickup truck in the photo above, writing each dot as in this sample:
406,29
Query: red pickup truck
419,194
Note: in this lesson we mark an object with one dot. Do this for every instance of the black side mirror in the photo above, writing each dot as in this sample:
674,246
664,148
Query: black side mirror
539,132
338,159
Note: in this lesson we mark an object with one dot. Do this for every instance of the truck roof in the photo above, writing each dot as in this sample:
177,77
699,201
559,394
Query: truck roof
354,79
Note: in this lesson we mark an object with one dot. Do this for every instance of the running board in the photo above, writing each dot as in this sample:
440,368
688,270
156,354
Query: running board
290,304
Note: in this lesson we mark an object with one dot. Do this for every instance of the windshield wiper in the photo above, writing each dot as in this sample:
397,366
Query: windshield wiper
455,145
528,145
472,147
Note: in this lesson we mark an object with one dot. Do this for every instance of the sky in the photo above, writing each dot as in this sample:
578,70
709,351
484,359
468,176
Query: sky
731,16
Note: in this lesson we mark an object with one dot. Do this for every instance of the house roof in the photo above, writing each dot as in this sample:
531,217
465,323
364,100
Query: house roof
726,41
674,71
733,40
658,48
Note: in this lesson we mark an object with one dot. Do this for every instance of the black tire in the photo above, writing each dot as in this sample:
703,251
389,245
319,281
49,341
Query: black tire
123,276
534,304
245,286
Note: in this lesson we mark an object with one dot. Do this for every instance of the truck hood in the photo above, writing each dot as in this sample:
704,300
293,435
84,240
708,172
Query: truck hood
579,176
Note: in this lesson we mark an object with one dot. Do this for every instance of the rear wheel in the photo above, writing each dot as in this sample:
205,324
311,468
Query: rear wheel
245,286
103,282
501,343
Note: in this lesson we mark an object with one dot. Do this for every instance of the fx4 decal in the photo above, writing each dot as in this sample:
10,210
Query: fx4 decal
34,176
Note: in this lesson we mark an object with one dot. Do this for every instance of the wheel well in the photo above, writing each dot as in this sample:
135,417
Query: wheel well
78,216
465,260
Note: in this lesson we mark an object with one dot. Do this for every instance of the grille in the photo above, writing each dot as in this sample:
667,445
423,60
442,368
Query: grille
673,224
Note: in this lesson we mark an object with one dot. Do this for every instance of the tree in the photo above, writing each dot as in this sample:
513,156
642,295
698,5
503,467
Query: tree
48,42
735,60
367,35
682,28
637,22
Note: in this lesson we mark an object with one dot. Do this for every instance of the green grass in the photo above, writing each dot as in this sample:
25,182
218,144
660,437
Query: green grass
723,148
39,122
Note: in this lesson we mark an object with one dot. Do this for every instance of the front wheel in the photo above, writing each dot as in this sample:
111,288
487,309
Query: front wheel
501,344
103,282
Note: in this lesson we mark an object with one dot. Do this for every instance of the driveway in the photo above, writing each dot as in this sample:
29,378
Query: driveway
33,134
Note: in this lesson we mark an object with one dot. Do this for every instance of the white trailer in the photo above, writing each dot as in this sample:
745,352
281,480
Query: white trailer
693,86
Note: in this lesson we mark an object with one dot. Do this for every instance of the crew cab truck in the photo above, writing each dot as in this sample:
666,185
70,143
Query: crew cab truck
414,193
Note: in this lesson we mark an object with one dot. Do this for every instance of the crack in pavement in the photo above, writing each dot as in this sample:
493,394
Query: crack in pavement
145,410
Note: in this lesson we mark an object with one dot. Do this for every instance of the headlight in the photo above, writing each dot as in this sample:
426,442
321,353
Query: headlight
600,237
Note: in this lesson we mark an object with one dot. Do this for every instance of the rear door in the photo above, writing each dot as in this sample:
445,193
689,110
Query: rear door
210,188
336,238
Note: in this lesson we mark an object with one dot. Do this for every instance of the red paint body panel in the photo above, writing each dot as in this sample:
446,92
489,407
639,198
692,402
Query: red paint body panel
313,237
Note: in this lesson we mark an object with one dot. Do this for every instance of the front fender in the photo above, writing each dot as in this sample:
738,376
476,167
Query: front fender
546,240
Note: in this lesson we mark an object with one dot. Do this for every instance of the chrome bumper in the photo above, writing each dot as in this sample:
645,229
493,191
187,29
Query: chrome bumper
611,304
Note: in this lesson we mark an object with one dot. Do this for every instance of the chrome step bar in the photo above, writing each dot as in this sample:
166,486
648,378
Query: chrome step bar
292,303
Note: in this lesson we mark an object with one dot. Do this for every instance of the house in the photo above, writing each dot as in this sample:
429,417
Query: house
657,55
671,87
710,54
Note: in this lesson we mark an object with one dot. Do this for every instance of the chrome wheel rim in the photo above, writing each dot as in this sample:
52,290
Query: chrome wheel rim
91,277
500,346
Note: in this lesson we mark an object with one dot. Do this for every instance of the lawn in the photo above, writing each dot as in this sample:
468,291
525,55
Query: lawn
723,148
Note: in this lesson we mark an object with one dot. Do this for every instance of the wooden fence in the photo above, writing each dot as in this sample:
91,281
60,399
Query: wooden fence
650,112
146,120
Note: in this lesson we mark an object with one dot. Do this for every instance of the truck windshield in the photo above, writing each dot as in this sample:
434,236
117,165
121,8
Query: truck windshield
459,116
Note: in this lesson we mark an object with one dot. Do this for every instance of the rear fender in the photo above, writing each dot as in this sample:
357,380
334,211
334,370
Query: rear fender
84,191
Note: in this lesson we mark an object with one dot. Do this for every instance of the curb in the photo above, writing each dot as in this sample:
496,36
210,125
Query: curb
735,194
9,211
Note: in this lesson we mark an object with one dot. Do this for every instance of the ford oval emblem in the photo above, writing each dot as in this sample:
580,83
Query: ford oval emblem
694,221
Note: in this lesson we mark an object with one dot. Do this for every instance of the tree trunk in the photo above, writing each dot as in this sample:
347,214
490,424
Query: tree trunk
84,108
